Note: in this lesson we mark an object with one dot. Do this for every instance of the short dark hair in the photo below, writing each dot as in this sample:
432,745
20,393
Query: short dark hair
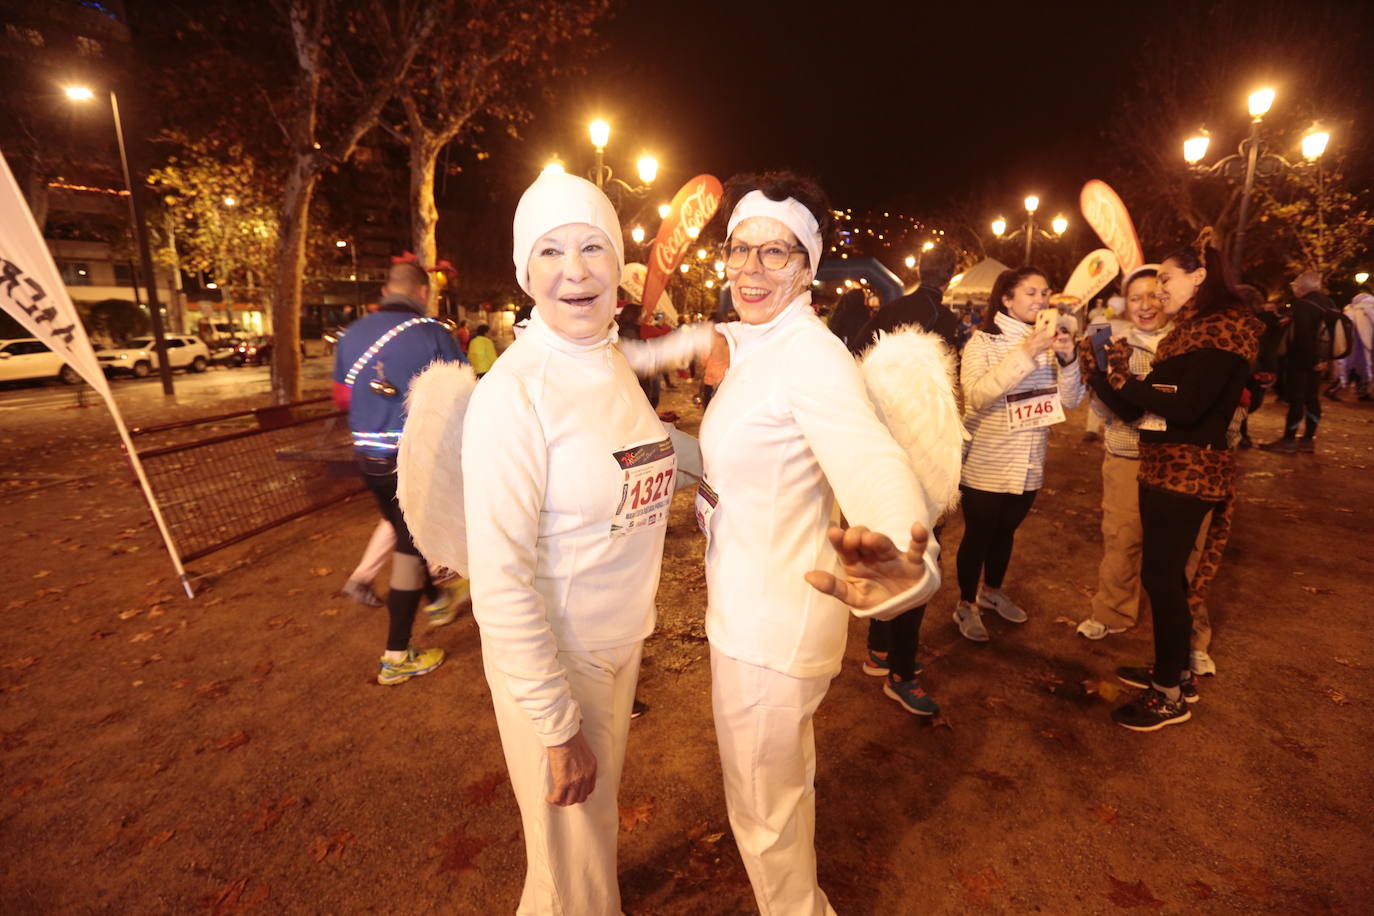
778,185
481,329
1006,281
937,265
408,274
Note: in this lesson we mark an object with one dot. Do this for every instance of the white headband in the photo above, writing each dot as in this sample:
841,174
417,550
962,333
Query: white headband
558,199
790,212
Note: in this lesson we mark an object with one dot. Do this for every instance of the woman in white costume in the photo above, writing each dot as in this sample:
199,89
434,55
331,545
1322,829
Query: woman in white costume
567,475
789,433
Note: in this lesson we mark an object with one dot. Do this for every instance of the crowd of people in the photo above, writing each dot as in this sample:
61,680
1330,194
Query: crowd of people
815,497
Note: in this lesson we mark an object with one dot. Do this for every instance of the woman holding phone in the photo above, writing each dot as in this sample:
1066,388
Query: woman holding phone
1016,382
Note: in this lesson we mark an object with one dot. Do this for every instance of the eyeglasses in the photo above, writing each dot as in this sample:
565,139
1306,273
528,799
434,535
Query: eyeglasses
773,255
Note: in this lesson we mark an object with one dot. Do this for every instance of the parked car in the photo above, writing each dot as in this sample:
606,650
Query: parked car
138,358
227,351
29,358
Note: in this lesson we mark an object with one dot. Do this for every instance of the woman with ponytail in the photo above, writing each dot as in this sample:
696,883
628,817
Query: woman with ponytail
1187,468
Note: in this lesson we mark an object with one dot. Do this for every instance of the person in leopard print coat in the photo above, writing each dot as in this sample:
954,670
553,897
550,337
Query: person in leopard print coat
1187,468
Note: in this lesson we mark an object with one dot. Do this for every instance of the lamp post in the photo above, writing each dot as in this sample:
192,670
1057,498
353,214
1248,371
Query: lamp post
1059,224
353,260
164,369
1251,160
647,166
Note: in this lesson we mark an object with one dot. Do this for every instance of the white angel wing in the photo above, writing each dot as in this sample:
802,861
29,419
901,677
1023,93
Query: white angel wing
429,465
910,378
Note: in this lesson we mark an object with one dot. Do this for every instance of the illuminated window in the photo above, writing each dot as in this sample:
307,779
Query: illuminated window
88,47
74,273
25,34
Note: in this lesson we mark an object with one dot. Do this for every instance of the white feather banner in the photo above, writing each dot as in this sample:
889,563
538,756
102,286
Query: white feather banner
910,379
429,467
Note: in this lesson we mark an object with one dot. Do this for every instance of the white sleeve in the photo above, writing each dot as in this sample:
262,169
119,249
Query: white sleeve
670,351
505,471
1071,387
983,378
867,469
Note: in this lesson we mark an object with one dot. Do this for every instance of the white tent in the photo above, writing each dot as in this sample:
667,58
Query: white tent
974,285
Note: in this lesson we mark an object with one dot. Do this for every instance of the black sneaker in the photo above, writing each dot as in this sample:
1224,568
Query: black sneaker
1282,446
1143,678
638,709
1151,711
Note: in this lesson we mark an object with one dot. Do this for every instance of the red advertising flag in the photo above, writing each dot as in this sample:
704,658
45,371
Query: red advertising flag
691,209
1105,212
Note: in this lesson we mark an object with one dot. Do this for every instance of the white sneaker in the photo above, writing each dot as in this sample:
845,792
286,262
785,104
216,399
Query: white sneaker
1096,629
994,599
1202,664
970,621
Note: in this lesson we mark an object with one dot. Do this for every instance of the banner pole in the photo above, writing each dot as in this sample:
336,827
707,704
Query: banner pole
151,499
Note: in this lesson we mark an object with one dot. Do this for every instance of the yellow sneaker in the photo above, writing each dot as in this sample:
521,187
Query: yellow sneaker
416,663
451,601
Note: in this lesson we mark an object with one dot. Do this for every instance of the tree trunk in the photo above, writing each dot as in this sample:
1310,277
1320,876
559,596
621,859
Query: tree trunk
286,283
424,158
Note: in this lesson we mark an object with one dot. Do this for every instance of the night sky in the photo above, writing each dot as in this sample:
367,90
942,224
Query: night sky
886,103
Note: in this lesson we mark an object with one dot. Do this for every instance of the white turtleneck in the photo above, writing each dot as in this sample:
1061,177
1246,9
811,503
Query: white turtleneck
789,432
541,488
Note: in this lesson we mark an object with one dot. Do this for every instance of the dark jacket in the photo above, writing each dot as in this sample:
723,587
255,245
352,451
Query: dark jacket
923,308
1195,392
1310,313
376,419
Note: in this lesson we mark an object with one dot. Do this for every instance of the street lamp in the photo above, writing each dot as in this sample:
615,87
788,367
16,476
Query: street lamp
1032,203
637,234
1060,225
664,210
927,246
910,262
647,167
999,226
1362,277
353,260
1252,160
164,368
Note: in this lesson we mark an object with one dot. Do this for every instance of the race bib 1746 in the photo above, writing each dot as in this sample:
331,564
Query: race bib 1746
1033,409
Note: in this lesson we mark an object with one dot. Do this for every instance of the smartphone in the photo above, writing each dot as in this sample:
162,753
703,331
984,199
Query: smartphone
1100,340
1047,318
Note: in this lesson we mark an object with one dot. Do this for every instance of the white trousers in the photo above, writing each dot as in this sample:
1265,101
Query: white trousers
570,853
768,757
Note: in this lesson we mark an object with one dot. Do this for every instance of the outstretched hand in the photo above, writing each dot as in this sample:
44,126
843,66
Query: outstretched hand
874,569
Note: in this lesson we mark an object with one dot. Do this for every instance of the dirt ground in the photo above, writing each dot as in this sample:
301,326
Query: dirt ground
234,754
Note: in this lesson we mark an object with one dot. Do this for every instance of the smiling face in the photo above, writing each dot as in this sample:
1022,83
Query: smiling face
1177,286
1027,298
1142,304
760,294
573,278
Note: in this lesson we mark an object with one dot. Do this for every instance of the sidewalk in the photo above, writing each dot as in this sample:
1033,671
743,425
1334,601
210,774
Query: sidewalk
234,753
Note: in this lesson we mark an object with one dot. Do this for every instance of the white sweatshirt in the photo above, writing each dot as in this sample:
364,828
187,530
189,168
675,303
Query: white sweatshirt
542,486
789,431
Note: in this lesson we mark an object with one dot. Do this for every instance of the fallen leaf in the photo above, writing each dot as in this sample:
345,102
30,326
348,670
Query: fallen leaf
272,811
155,612
158,839
940,721
330,612
182,683
1107,690
992,702
1104,813
980,885
293,592
1066,621
141,637
1056,734
212,690
484,791
1350,663
229,742
630,815
230,899
324,846
321,571
1200,890
27,661
1336,696
277,622
1318,590
42,573
261,670
1132,895
132,612
458,850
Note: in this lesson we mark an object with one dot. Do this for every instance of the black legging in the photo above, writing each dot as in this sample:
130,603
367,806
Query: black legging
1304,403
401,604
1169,524
990,523
900,637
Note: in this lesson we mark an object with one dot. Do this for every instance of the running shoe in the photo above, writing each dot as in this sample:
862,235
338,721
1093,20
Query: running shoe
1096,629
994,599
1202,664
452,599
361,592
1282,446
638,709
970,621
1143,678
1151,711
876,664
416,663
910,695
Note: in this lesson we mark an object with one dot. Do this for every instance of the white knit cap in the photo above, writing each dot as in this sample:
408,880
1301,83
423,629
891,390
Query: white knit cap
791,212
559,199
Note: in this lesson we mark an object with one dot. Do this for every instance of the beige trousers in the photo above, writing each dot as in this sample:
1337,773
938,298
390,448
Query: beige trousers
1119,595
768,757
570,853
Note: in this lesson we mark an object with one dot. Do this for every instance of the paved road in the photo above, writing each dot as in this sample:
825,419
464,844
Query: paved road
205,388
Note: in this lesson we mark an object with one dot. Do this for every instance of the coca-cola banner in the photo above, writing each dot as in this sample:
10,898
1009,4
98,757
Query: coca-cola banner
691,209
1105,212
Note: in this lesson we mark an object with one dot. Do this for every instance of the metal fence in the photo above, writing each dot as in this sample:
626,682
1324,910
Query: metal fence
222,479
